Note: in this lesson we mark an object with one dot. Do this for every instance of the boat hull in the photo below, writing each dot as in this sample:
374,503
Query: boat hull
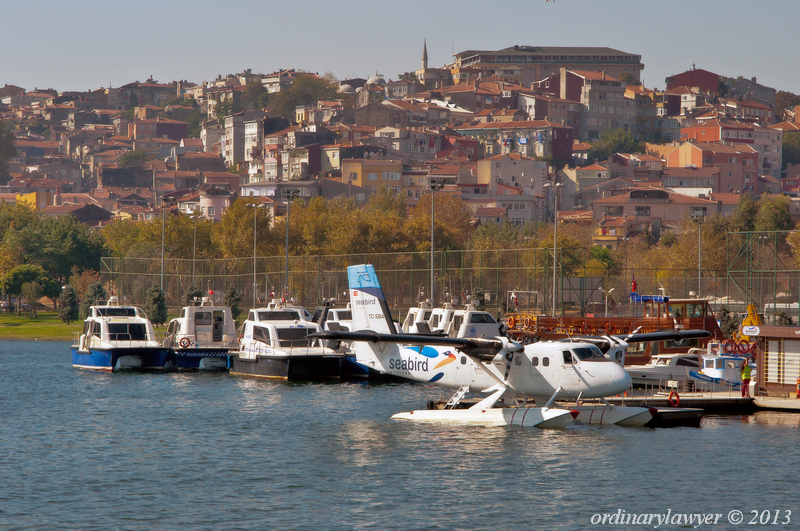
526,417
286,367
192,359
112,359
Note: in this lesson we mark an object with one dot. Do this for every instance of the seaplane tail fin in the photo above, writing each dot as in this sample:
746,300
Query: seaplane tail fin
370,311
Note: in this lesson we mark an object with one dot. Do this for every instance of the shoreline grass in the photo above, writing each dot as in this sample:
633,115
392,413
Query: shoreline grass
46,327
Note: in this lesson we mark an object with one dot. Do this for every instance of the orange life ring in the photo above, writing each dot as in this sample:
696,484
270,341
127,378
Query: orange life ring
729,346
742,347
585,328
674,399
527,322
511,321
184,342
610,328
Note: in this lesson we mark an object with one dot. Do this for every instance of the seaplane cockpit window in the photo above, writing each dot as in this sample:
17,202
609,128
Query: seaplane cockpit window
545,361
567,357
282,315
202,318
590,353
518,360
463,360
481,318
117,312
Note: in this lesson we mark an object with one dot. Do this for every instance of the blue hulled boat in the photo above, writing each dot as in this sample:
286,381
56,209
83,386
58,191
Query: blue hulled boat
119,337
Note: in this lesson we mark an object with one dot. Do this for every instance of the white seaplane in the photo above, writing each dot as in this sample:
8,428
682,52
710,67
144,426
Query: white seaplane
503,368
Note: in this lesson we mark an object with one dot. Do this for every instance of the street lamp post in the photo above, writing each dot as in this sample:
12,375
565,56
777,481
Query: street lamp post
255,208
607,293
195,217
699,220
163,222
289,194
554,187
435,184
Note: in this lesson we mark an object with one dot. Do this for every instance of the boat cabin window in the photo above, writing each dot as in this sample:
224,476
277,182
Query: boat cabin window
183,313
260,334
708,364
677,311
427,316
567,357
730,364
251,316
535,361
172,328
661,361
684,362
457,320
317,315
94,328
202,318
694,310
279,315
117,312
481,318
588,353
293,337
545,361
127,332
435,320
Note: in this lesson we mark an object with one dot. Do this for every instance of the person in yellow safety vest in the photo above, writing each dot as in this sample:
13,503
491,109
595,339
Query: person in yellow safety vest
746,370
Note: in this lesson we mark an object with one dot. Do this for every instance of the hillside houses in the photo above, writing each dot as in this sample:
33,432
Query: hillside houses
496,126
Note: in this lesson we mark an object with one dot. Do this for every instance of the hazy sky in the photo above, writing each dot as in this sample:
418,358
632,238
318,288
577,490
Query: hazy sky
86,44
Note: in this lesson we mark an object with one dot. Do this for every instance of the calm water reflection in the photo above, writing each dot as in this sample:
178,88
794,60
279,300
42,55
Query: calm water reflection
209,451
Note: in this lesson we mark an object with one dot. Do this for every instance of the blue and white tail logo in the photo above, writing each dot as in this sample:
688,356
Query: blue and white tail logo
370,311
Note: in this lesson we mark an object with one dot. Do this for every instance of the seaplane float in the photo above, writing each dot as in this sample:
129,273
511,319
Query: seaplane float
523,382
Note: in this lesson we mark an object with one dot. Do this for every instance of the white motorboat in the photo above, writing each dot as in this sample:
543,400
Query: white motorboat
273,344
665,367
201,336
118,337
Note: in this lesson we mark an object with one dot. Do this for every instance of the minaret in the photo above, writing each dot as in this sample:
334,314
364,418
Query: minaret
425,54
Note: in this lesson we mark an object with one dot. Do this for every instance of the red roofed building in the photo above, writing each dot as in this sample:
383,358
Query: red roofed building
653,205
696,77
531,138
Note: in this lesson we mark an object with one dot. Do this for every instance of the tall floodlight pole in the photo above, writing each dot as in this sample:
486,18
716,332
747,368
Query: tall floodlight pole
288,196
554,188
699,219
435,184
194,217
162,243
255,208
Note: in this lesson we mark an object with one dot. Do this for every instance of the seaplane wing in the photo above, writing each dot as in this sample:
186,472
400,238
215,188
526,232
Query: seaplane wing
481,348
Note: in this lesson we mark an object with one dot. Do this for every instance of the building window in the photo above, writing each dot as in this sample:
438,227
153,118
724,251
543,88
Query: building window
642,211
211,211
372,176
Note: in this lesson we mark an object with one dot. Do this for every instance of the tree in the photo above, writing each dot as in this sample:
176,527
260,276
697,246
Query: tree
14,280
137,157
252,93
728,323
226,107
31,293
615,141
743,218
68,310
7,150
155,305
307,88
783,101
791,149
479,299
628,79
94,294
193,296
232,299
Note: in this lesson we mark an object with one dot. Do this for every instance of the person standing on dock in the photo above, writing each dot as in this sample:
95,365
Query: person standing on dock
746,370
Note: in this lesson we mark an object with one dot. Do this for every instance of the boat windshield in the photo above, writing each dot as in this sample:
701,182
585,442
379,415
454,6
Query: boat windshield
127,332
117,312
293,337
279,315
481,318
591,353
344,315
